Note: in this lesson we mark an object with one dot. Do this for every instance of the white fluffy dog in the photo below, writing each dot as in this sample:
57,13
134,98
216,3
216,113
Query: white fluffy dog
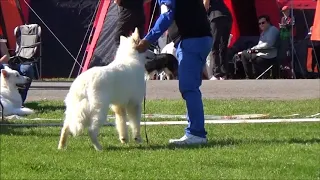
121,84
11,100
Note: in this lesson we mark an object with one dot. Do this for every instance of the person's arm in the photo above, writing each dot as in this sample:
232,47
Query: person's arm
270,40
4,53
117,2
163,22
4,59
206,4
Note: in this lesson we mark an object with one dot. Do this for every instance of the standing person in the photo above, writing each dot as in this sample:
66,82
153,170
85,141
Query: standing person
131,15
286,24
193,46
221,23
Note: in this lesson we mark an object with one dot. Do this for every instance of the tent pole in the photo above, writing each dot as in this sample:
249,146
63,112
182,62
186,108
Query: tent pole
93,17
292,45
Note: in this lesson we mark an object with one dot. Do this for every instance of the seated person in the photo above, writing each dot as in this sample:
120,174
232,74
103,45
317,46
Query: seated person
23,69
263,55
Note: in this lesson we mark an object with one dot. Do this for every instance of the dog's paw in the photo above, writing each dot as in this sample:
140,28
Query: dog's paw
124,140
138,140
97,147
61,147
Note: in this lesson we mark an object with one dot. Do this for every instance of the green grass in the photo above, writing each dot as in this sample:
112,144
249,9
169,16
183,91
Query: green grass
244,151
234,151
55,109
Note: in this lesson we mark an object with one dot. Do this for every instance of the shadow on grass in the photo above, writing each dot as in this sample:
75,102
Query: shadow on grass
216,143
16,131
7,129
44,108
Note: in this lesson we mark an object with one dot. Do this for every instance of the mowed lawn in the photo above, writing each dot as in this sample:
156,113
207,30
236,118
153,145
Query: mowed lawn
234,151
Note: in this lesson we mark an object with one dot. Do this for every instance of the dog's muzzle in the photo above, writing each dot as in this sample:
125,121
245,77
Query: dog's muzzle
22,86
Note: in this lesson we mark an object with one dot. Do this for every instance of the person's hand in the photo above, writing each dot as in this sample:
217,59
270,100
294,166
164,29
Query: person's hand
142,46
206,4
117,1
252,51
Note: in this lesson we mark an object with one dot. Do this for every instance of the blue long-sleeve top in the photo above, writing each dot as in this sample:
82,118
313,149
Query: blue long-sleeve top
163,22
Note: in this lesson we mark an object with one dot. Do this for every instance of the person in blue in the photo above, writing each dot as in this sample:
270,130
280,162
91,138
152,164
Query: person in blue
193,46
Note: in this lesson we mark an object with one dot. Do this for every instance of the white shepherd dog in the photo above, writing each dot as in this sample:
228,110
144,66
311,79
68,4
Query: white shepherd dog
11,100
121,84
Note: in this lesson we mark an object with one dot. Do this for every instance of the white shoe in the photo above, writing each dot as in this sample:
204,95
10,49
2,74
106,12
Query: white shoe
189,139
214,78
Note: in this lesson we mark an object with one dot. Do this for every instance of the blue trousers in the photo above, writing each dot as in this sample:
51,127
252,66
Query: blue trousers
25,70
192,54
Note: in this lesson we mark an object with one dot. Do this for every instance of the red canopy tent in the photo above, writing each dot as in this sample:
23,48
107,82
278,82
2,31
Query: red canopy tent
315,35
16,12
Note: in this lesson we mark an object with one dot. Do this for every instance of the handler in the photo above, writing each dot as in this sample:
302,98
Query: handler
193,47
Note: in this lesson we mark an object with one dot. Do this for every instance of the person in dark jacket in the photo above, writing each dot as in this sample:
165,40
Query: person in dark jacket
221,23
193,46
131,15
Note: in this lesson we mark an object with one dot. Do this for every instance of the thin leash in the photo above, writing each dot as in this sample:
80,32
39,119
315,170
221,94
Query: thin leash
145,82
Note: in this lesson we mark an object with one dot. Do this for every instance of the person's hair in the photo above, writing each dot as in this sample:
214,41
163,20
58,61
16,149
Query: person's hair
265,17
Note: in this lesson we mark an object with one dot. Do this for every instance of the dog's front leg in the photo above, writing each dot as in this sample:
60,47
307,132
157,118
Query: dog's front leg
134,113
121,123
168,73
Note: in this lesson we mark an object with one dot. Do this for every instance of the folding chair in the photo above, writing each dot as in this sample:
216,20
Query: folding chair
28,46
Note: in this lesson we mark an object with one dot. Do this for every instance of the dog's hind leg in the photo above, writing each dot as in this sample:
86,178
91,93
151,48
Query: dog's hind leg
93,130
64,136
93,133
134,113
121,123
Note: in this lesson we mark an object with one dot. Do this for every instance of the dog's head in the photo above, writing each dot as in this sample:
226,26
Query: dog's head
128,46
13,79
129,43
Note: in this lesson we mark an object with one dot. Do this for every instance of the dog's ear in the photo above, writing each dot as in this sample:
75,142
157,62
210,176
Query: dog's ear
4,73
135,35
122,39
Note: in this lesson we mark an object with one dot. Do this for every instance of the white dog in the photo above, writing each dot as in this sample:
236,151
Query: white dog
11,100
120,84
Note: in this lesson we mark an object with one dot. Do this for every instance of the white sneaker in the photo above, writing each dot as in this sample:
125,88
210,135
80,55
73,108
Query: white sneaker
189,139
